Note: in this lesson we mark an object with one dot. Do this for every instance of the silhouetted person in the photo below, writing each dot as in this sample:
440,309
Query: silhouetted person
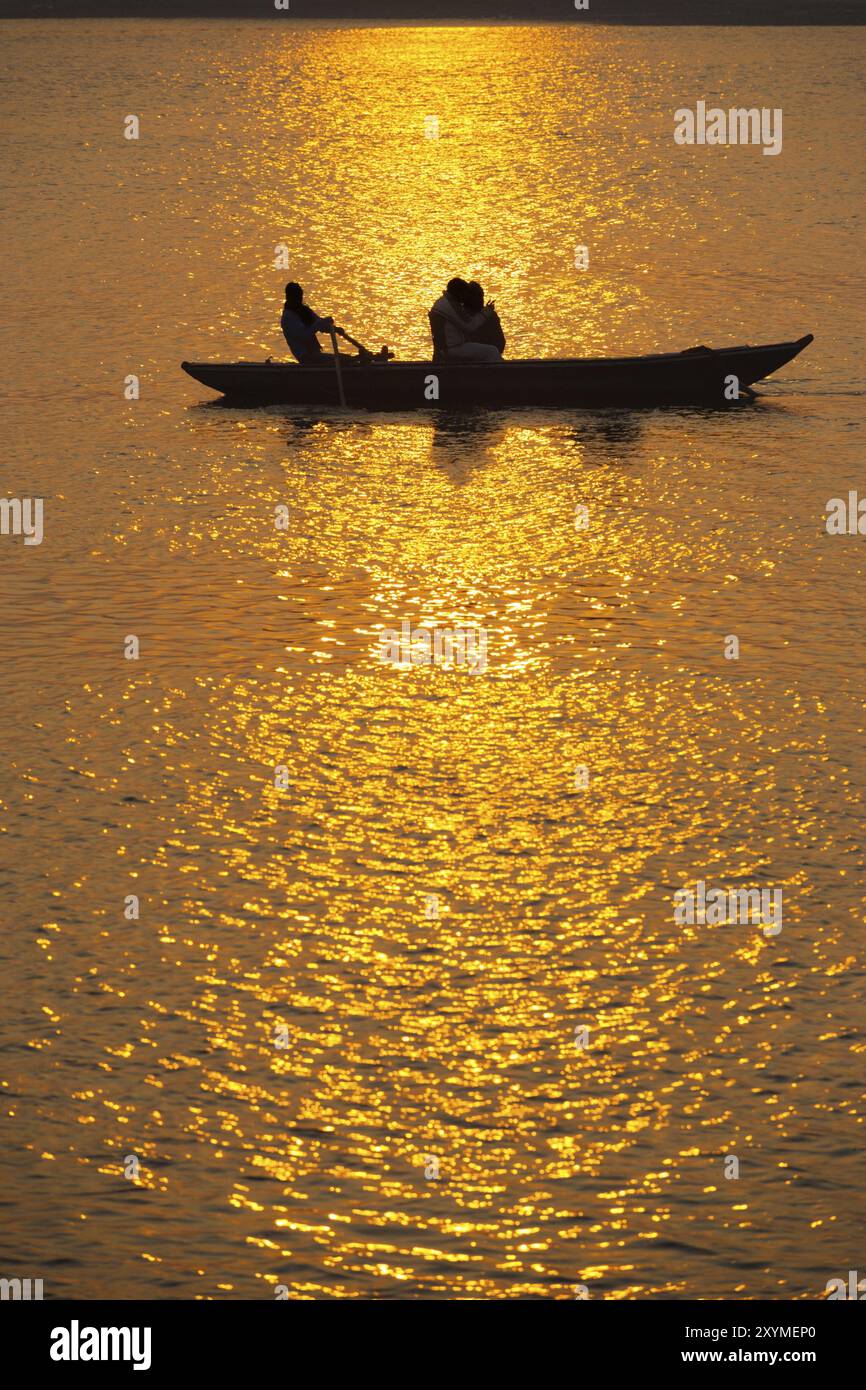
454,329
491,330
300,326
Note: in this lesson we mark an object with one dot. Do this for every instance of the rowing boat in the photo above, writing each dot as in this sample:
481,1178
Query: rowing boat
698,376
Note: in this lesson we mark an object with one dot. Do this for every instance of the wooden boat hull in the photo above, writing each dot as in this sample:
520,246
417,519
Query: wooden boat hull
695,377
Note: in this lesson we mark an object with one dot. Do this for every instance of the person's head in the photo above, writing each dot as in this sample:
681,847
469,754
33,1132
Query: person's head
294,294
473,298
456,289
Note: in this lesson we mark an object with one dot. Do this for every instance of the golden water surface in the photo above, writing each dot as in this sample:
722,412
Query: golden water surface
423,1038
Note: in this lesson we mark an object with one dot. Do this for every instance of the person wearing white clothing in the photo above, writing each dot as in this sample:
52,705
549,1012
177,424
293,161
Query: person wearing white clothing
300,326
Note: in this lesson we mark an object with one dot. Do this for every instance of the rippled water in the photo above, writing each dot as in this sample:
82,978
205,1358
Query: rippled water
411,1037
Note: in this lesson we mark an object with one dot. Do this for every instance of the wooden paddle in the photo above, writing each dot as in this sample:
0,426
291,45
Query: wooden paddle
340,386
366,354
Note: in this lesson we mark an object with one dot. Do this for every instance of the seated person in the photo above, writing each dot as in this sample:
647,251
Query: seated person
454,329
491,330
300,326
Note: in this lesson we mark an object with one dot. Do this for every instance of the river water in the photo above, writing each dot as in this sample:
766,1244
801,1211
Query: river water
435,897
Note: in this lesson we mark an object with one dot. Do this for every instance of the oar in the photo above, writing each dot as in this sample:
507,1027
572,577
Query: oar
383,356
354,341
339,368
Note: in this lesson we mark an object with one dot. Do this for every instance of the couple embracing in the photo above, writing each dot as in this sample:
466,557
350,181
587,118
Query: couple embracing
464,328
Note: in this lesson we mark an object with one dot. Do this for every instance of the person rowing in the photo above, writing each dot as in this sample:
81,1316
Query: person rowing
300,326
454,329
